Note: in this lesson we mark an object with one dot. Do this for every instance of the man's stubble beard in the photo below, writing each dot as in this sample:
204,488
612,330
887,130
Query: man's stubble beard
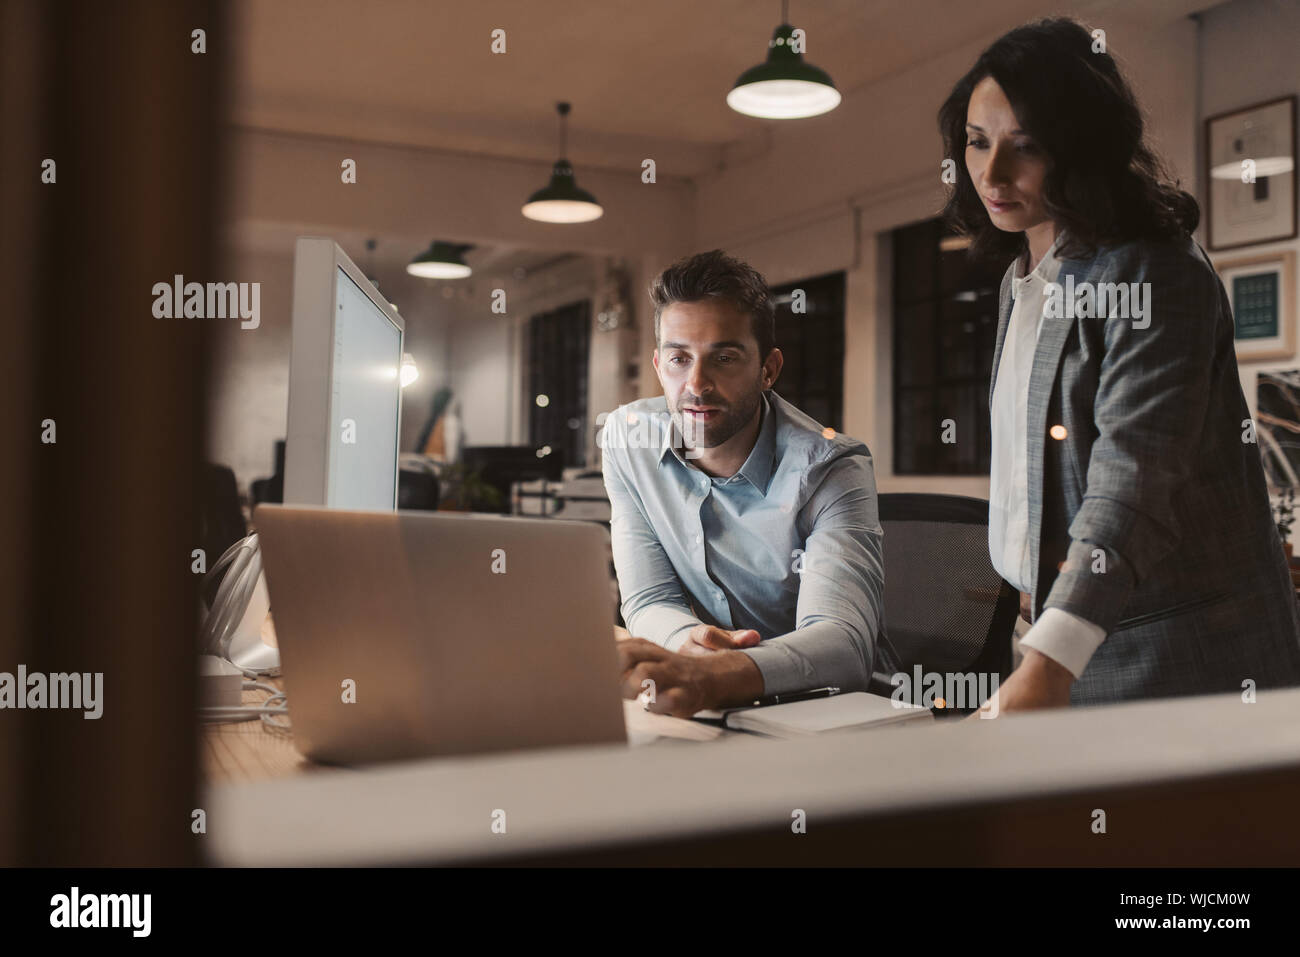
711,435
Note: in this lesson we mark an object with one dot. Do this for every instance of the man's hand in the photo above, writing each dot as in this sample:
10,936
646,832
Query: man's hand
681,685
1039,682
708,640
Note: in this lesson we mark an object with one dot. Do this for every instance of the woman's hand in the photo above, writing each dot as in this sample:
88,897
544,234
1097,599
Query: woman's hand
1039,682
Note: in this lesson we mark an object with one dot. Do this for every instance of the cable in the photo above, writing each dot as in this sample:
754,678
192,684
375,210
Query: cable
265,710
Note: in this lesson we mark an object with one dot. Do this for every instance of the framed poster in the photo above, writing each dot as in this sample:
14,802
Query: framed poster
1262,292
1251,159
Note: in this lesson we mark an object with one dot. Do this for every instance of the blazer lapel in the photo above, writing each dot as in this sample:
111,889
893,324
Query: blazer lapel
1004,318
1042,381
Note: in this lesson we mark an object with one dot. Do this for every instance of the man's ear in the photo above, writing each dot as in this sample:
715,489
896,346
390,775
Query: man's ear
772,367
659,373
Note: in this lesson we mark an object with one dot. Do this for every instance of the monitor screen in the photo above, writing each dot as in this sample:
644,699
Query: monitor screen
365,401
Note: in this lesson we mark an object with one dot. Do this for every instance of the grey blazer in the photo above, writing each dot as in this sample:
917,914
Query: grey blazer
1149,515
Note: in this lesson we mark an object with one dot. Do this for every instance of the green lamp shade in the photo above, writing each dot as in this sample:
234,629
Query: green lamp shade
785,87
561,201
440,261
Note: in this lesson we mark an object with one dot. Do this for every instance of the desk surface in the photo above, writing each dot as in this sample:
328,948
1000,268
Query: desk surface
441,811
251,751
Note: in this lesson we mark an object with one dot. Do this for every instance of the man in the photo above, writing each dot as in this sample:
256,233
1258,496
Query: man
745,535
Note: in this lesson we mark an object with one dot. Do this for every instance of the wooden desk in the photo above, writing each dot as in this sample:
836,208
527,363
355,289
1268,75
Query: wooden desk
1184,781
251,751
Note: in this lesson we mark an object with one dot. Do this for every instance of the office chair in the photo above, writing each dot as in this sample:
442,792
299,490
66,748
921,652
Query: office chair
417,488
221,520
270,489
501,466
946,608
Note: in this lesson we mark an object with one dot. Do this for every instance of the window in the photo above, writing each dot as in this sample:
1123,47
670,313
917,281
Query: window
812,344
945,327
558,345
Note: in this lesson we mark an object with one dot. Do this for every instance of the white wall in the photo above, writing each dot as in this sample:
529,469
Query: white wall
488,357
248,382
481,350
1250,52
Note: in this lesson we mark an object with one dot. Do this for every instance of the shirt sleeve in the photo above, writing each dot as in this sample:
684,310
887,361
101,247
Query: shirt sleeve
653,603
840,591
1067,639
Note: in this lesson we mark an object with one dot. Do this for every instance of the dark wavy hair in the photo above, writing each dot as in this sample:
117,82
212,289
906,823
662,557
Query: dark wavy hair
1104,184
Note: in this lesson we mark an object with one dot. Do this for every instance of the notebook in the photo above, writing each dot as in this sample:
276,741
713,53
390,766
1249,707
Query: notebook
843,712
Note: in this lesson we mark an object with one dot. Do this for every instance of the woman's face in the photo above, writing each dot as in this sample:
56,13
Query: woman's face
1005,164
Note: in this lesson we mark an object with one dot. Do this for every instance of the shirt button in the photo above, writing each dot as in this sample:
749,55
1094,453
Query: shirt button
699,539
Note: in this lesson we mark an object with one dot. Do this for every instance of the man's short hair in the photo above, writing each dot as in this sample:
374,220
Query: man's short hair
715,275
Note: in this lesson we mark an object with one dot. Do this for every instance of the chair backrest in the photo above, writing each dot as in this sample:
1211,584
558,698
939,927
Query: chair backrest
417,489
946,608
221,520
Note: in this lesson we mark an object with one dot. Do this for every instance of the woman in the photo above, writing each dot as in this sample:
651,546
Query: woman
1127,496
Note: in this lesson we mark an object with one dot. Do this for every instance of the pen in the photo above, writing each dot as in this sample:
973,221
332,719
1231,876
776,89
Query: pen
796,696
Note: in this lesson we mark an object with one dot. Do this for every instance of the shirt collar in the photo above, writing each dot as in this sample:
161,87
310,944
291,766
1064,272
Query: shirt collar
1044,272
672,441
758,466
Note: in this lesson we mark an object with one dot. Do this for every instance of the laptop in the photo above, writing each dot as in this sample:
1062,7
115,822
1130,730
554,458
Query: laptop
418,634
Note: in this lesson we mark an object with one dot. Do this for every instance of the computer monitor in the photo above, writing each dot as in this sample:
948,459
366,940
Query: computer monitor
345,394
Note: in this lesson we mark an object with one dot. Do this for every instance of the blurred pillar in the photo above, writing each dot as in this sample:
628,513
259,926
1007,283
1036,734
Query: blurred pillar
98,526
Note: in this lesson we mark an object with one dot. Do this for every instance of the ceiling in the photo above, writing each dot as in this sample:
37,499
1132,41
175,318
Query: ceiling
420,72
644,78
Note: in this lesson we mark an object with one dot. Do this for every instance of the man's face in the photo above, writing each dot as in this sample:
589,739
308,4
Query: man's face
709,367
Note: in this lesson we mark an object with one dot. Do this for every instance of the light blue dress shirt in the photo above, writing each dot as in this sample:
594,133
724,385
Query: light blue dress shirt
789,546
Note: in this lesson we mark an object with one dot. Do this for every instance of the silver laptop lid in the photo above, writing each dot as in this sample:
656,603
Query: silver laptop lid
411,634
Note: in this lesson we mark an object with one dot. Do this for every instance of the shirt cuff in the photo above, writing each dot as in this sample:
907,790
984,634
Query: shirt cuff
809,657
666,625
782,670
1067,639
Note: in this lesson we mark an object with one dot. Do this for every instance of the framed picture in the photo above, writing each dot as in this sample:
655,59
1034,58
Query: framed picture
1251,165
1262,292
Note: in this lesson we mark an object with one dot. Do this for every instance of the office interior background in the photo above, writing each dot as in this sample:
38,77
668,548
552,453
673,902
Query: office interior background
448,141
